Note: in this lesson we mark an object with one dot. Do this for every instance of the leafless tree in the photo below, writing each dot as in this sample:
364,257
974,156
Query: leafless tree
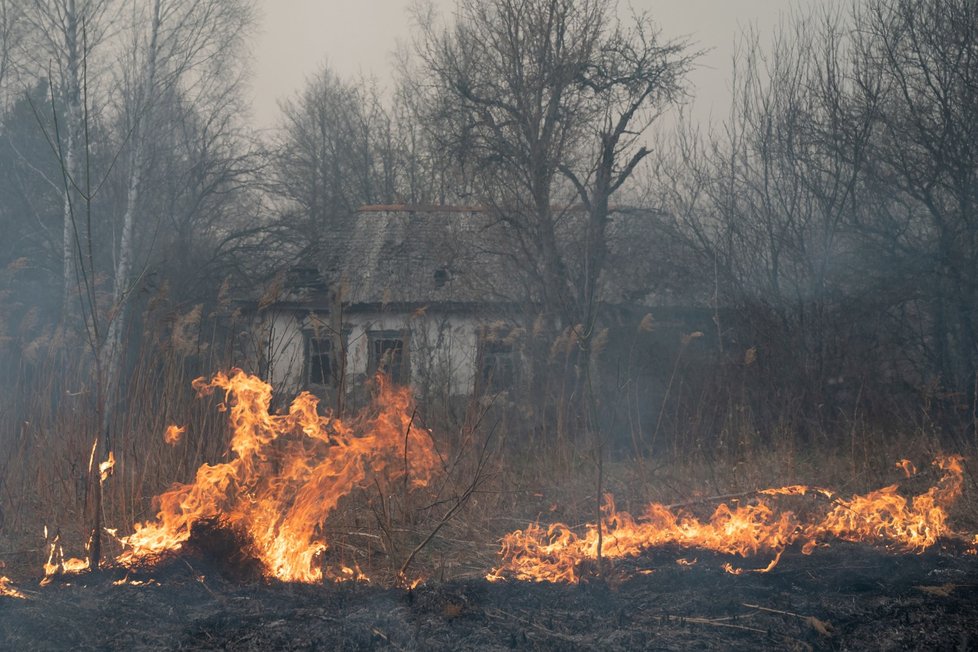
506,103
924,162
64,35
12,29
336,150
178,48
544,104
834,208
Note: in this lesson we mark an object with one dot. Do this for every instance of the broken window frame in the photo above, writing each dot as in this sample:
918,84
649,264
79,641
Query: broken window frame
398,372
331,377
497,363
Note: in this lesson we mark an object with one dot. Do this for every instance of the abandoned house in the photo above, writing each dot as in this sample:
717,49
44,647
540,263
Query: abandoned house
430,295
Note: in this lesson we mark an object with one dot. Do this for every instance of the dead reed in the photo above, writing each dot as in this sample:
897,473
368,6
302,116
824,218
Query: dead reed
499,469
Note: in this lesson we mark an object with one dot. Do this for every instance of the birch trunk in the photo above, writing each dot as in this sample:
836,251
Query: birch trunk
112,347
73,128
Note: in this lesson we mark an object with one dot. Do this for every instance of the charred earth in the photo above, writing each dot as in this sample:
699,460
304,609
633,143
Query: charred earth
849,596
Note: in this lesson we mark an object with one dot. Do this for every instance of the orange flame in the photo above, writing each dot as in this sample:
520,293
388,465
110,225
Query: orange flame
174,434
907,467
57,564
287,474
7,589
885,517
882,517
105,468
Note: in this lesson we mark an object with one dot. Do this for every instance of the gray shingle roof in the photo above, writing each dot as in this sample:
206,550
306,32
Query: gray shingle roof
423,255
403,254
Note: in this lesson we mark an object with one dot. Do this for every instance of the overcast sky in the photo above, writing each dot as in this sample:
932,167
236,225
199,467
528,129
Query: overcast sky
297,37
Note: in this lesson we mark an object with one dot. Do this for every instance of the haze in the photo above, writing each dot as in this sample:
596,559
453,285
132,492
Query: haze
297,37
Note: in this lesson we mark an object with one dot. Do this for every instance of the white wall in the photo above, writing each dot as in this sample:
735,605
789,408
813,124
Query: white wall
442,348
276,349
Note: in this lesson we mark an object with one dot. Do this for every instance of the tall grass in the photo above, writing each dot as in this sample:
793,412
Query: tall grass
48,422
697,429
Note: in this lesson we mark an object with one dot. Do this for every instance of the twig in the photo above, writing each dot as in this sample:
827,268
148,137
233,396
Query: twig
386,638
711,499
529,623
773,611
407,433
200,578
822,627
715,622
476,480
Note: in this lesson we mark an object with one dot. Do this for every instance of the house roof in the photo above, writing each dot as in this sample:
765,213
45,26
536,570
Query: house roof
430,254
406,254
447,255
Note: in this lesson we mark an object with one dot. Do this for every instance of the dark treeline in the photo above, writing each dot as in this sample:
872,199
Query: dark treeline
829,224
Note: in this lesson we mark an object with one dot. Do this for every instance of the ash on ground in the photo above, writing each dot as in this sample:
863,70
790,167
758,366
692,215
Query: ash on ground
844,597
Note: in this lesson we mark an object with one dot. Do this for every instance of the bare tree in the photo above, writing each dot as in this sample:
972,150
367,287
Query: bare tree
336,150
64,35
541,103
834,209
506,103
12,28
179,47
924,160
633,78
178,73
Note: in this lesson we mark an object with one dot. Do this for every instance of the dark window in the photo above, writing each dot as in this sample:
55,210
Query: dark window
299,278
442,276
388,355
320,361
497,365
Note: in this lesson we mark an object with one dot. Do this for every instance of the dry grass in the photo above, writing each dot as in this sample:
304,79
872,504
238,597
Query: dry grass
497,474
49,422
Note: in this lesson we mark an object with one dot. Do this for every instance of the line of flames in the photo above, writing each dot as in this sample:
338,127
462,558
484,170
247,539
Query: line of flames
287,473
556,553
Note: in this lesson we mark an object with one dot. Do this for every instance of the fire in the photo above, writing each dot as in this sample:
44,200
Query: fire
105,468
174,434
57,564
907,467
883,517
288,472
8,590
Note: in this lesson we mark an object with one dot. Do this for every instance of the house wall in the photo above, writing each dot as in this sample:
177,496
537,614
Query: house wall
276,348
442,348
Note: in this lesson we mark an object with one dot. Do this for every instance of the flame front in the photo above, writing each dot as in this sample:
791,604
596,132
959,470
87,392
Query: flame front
556,553
288,472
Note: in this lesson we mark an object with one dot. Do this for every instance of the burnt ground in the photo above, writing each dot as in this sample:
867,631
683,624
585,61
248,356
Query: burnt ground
844,597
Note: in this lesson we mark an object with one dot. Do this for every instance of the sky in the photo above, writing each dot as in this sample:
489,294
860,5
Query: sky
358,37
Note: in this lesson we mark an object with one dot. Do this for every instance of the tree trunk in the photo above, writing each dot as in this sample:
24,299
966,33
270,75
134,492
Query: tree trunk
73,115
112,349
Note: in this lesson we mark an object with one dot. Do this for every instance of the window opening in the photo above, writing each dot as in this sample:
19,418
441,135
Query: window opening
320,361
388,355
497,369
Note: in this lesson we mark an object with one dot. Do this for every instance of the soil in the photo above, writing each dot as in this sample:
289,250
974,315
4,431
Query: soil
840,598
